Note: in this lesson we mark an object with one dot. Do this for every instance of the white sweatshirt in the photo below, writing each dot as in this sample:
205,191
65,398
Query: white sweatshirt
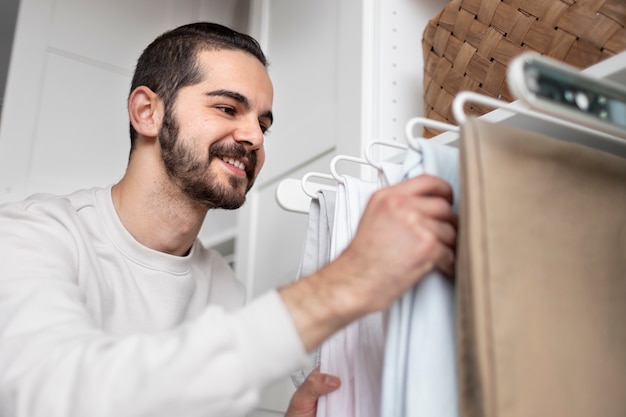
92,323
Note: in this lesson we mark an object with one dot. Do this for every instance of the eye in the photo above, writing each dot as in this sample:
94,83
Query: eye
226,109
264,128
264,124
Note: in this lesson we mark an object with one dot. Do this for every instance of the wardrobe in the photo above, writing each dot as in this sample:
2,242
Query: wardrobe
541,254
539,280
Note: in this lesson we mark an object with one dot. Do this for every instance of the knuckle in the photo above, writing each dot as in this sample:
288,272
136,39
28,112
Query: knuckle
442,206
385,195
429,242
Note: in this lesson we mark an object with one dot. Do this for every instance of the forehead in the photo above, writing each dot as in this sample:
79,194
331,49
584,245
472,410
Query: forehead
237,71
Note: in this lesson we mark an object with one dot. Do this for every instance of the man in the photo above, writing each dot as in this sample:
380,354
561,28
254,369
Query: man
110,306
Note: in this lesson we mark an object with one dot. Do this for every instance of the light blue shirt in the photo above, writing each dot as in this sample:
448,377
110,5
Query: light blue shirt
419,375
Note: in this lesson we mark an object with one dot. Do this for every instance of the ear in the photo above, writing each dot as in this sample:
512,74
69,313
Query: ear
145,110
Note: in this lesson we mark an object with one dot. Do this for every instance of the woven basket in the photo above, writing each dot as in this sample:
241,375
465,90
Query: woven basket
469,44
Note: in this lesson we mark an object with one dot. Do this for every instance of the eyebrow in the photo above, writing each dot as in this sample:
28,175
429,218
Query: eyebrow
239,98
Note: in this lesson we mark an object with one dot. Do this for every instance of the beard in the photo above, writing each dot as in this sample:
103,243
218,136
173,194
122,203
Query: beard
192,174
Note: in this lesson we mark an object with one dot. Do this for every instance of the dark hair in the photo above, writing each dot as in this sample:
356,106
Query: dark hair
170,61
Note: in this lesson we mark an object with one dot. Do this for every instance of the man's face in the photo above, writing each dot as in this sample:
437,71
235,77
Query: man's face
212,137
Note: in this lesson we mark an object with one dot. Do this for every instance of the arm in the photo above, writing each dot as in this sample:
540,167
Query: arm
405,231
55,361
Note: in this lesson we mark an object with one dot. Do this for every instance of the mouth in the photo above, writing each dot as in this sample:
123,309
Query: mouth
234,162
240,161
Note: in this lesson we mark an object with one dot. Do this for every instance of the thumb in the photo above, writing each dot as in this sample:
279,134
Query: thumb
304,400
317,384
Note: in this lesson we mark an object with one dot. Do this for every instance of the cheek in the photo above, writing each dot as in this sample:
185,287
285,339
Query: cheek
260,160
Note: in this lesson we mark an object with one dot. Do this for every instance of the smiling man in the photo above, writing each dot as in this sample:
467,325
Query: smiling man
201,150
109,304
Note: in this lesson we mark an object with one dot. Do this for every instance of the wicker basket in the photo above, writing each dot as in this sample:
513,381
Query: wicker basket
468,45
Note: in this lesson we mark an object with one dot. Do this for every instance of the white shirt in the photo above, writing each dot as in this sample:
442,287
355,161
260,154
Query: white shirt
92,323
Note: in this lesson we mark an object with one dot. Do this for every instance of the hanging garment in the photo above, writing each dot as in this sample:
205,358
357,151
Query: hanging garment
354,353
540,277
419,377
316,254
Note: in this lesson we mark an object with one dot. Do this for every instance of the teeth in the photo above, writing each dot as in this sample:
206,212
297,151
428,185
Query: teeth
234,163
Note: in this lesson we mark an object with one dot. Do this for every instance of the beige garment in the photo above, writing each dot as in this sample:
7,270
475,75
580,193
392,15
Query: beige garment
541,276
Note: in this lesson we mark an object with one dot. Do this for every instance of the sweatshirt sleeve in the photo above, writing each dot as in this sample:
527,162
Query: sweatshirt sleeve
56,362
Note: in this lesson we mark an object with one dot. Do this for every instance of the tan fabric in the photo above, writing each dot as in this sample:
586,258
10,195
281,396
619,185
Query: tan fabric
541,276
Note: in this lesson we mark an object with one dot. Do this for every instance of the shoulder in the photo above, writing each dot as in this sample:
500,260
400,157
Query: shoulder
50,205
43,221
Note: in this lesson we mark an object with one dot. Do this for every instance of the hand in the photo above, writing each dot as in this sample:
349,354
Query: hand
405,231
304,401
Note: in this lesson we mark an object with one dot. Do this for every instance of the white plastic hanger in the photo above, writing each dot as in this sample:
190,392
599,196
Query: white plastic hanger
458,109
368,151
458,105
295,195
580,134
339,158
318,186
423,122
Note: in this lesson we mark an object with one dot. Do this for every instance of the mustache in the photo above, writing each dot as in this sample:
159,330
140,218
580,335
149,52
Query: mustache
236,150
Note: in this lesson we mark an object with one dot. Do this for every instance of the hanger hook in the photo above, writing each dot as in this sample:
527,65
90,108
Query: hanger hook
333,165
423,122
368,150
308,175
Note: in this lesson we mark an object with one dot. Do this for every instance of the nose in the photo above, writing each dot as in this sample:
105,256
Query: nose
250,133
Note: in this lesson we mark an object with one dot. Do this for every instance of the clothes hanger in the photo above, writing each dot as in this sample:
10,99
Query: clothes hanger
458,110
319,186
420,122
339,158
423,122
574,132
295,195
411,144
368,151
464,97
368,156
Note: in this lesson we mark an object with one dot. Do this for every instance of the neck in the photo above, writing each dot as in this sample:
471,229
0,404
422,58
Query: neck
154,211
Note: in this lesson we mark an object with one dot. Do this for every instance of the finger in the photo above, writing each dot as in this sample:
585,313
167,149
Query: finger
316,384
436,243
435,207
443,231
426,185
446,262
